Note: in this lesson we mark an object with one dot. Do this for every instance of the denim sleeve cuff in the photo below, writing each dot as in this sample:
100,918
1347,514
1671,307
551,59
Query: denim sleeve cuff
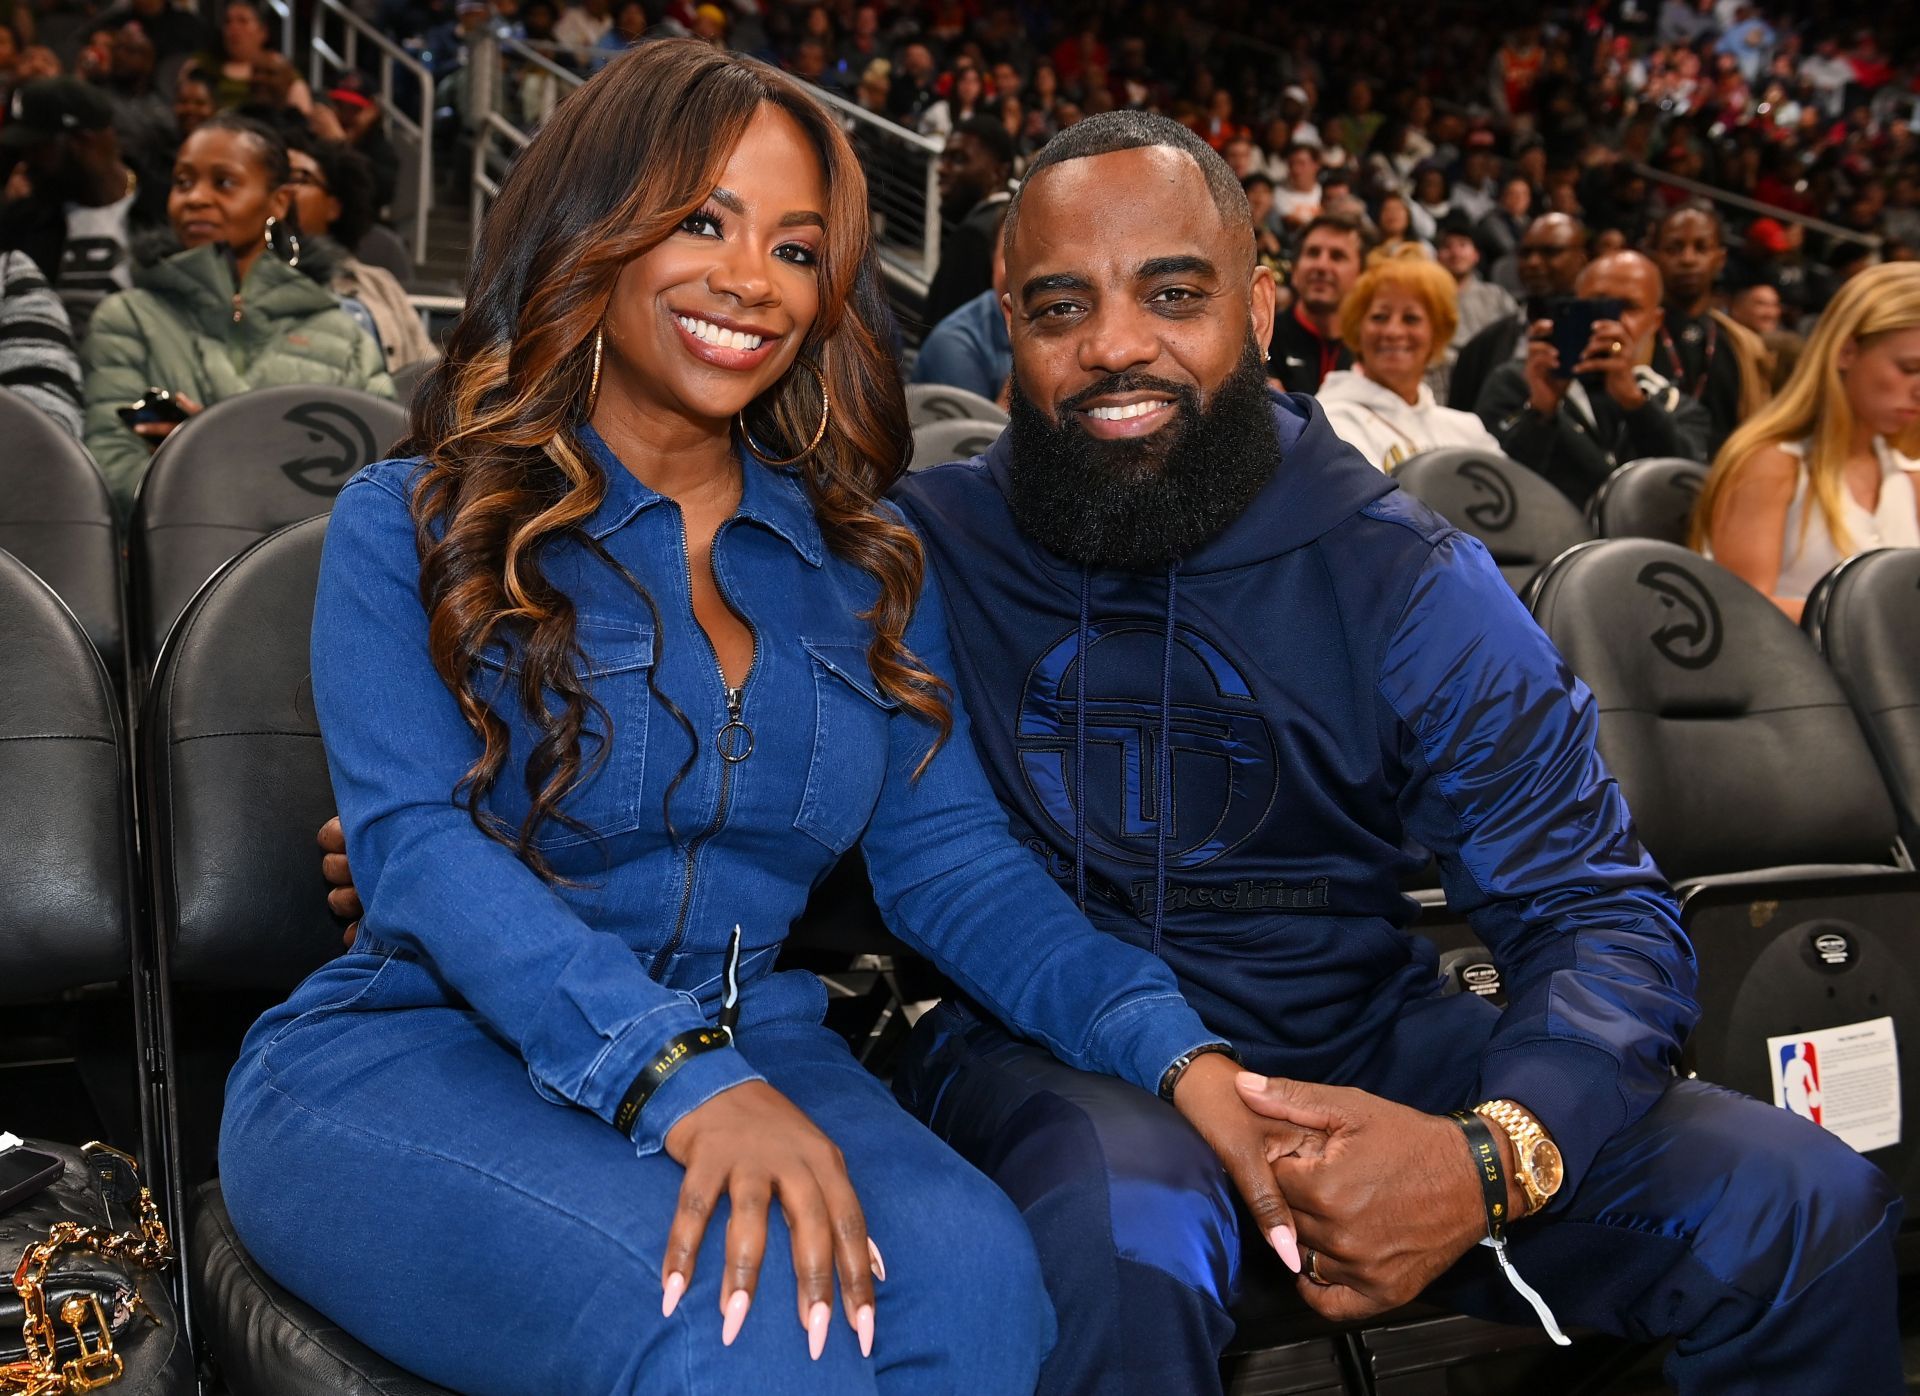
1141,1038
1571,1088
698,1081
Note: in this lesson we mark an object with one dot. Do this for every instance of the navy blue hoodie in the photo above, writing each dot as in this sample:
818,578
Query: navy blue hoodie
1272,735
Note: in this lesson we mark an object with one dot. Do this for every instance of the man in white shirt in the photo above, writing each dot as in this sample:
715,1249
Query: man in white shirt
1297,200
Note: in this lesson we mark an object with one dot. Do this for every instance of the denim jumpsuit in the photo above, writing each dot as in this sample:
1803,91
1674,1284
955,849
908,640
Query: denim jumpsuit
419,1142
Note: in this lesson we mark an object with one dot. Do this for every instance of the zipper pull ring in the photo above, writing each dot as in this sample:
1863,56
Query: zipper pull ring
734,741
730,999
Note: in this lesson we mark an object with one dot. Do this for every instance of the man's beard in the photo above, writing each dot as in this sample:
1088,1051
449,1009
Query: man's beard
1137,504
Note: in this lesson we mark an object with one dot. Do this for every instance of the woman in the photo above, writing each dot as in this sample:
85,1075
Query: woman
192,102
244,39
1827,469
629,28
332,187
627,656
220,307
967,98
1399,234
1397,320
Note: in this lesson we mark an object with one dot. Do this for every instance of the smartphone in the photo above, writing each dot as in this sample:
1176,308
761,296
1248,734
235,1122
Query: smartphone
24,1172
157,406
1573,320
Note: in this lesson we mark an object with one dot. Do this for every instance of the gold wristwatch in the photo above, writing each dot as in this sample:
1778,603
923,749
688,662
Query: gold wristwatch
1536,1158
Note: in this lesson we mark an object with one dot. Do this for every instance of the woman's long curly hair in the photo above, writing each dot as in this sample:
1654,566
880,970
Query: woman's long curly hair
617,168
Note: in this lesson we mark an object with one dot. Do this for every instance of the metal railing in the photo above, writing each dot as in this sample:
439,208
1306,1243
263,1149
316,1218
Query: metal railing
523,81
338,34
1716,195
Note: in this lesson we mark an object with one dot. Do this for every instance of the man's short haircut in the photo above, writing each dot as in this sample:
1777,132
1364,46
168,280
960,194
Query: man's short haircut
1342,224
1111,131
992,136
1308,146
1256,178
1699,206
1426,281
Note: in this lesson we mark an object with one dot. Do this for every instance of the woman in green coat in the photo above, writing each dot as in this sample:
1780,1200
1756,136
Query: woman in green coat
238,303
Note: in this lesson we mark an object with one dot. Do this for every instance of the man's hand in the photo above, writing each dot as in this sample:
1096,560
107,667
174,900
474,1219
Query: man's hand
1246,1144
344,900
1544,388
1388,1205
1610,353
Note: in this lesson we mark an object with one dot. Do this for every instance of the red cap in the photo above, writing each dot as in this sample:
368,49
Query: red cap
1767,235
347,97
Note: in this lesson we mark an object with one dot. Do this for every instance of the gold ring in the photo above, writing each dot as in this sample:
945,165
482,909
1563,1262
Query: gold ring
1312,1268
1618,347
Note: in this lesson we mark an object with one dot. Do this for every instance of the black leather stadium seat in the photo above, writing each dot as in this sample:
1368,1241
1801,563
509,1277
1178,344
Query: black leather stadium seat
57,517
67,896
1524,522
232,475
937,402
958,438
1754,789
236,786
1651,498
1864,616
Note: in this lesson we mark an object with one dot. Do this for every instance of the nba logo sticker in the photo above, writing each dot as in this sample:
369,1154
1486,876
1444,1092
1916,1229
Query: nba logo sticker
1800,1079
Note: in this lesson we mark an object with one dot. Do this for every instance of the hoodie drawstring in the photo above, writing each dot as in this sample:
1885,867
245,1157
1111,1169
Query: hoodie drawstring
1080,745
1163,769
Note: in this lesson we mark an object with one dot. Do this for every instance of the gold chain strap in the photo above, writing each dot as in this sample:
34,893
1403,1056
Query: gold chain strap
41,1373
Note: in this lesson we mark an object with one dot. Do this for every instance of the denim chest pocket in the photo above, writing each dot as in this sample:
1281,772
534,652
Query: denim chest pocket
616,671
848,764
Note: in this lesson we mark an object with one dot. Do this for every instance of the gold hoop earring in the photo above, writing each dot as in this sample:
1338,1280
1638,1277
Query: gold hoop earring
820,432
593,386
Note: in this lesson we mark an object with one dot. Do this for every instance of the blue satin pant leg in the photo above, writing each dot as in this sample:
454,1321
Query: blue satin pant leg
388,1160
1758,1241
1133,1217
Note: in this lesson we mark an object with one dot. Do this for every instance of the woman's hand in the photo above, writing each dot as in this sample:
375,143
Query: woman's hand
156,432
752,1145
1247,1145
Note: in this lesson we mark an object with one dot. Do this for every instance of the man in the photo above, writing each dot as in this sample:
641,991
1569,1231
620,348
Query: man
1306,344
141,116
1699,349
975,168
1480,302
1501,231
914,85
1576,427
1474,191
1223,676
1550,258
85,202
970,349
1297,199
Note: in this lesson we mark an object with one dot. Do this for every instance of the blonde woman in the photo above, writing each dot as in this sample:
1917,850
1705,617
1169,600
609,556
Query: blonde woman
1398,320
1827,469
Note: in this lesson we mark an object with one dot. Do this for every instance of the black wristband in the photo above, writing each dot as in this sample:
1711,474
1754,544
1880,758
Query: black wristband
1486,1163
1171,1076
674,1056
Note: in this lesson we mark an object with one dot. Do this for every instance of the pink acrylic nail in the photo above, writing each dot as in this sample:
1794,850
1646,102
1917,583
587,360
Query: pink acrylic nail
817,1319
1288,1248
676,1286
863,1325
878,1265
737,1315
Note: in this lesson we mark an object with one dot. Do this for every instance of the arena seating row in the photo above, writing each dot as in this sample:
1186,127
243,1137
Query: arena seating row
1749,771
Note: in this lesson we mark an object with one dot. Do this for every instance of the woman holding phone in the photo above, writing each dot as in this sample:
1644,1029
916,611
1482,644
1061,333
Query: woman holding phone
232,301
611,669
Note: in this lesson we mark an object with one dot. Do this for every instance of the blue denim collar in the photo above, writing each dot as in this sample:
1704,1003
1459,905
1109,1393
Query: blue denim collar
771,497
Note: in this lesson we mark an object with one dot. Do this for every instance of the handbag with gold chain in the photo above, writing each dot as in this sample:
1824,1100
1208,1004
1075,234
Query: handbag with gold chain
74,1289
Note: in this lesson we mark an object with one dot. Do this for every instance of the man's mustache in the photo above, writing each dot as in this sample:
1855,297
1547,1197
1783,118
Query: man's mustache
1118,383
